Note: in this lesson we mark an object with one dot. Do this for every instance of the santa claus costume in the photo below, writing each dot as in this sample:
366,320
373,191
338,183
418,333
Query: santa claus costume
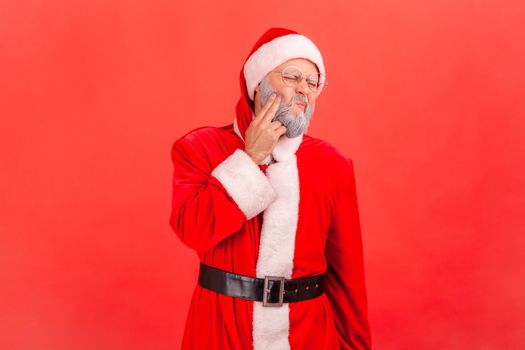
295,217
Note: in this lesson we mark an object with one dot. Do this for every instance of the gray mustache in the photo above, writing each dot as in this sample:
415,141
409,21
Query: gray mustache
300,98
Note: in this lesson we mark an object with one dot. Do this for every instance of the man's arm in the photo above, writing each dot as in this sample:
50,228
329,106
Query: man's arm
345,284
208,205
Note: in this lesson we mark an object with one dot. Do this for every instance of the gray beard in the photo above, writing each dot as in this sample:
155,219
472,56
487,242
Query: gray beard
295,125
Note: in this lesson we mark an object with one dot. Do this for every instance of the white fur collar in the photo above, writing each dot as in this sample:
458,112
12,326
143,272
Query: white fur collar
284,149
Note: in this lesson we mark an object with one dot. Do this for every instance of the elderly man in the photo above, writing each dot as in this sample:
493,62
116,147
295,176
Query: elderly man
272,214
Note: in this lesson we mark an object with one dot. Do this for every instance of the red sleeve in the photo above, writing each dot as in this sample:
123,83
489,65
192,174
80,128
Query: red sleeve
345,284
208,204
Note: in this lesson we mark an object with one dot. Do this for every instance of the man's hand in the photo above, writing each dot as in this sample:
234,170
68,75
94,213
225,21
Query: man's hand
262,134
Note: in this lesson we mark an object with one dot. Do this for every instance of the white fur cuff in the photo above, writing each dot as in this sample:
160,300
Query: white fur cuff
245,183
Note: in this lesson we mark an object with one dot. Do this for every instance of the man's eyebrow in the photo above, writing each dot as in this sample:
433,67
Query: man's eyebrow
308,74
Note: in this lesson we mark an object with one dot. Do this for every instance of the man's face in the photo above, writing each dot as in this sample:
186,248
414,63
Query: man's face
298,102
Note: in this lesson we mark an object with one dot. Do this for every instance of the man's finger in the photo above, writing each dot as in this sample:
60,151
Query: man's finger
275,125
270,113
281,130
265,108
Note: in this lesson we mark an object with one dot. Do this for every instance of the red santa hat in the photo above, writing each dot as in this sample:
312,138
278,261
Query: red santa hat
276,46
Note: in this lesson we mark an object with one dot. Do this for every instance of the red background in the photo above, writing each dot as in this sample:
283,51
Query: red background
427,98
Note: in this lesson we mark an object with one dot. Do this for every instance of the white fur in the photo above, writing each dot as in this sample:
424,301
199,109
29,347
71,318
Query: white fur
271,325
245,183
286,147
276,52
276,253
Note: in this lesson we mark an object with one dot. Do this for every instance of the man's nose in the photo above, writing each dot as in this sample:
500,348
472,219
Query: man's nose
302,87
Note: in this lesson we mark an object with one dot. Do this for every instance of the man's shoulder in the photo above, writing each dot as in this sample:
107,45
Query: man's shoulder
203,133
324,150
204,136
196,144
328,159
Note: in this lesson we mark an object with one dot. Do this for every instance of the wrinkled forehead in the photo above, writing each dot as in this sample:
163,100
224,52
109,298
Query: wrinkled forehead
305,65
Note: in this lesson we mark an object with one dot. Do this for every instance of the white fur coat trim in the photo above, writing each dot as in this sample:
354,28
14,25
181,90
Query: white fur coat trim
245,183
271,325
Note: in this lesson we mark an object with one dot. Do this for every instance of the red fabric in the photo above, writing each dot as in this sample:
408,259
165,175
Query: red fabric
208,220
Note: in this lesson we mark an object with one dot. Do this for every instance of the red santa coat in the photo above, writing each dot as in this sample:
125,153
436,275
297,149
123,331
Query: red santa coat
295,218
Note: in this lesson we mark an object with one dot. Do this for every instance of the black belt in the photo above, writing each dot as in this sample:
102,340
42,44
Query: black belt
271,290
